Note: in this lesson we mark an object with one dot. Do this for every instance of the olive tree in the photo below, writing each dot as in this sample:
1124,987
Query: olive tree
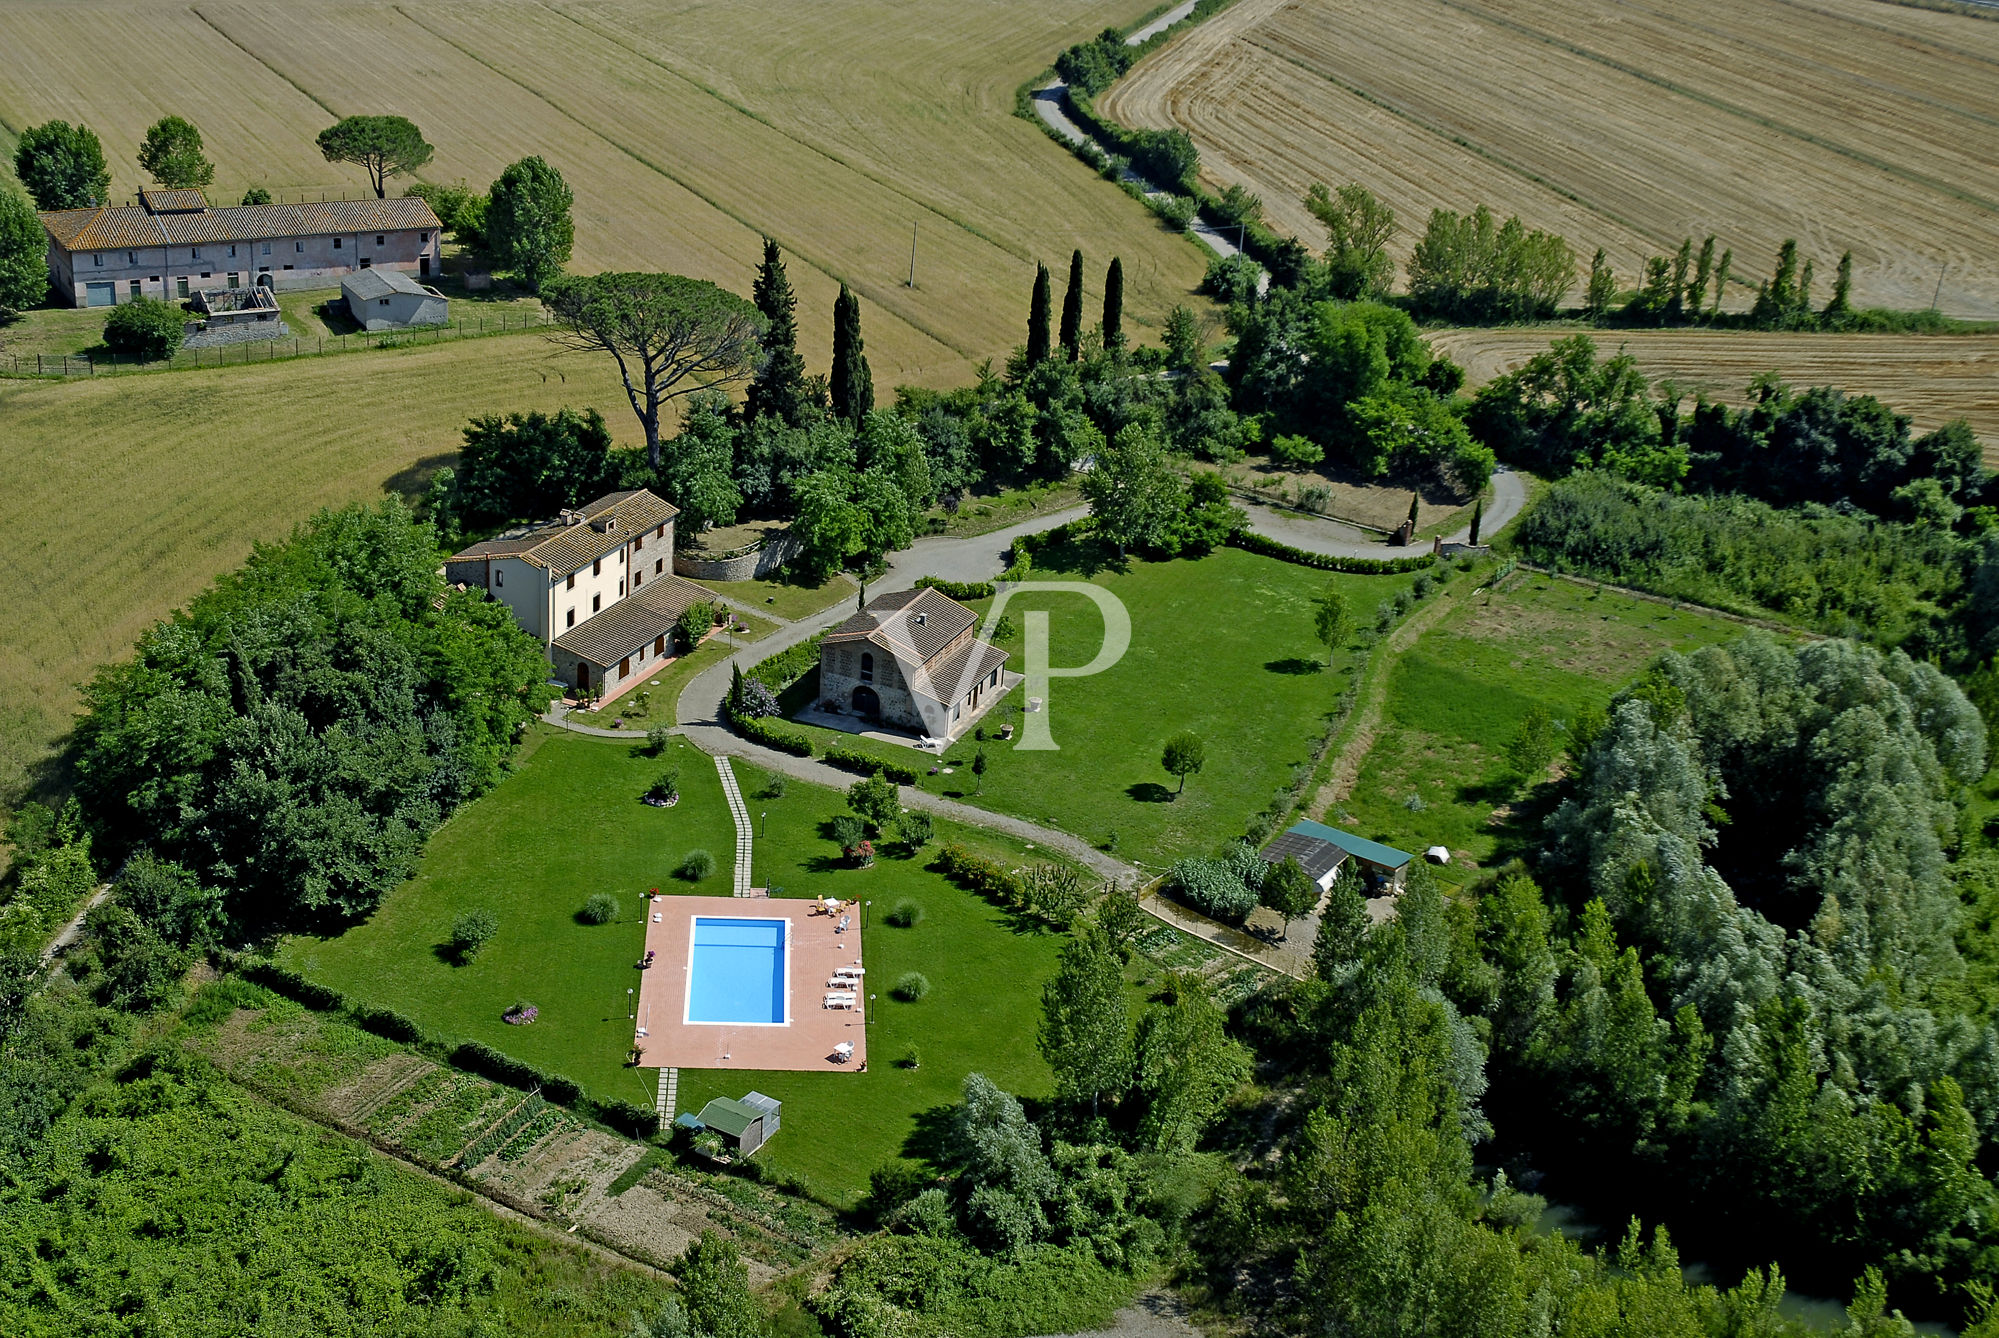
670,335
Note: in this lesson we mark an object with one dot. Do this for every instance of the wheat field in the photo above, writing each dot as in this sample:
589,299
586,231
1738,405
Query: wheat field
688,131
1619,123
1931,378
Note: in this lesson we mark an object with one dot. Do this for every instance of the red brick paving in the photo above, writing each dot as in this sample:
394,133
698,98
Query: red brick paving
805,1043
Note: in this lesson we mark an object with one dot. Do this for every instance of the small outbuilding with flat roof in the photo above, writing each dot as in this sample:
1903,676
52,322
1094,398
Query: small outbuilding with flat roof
748,1122
1322,850
388,299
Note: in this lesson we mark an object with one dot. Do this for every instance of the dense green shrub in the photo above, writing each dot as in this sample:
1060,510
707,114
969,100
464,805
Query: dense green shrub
145,328
911,986
600,908
771,733
471,931
867,764
1214,888
905,914
1253,542
698,865
786,667
963,591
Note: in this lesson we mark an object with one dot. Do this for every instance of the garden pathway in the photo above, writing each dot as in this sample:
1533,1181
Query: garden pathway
744,832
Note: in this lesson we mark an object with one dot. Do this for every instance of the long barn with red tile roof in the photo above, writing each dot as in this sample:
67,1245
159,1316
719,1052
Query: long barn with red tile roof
173,244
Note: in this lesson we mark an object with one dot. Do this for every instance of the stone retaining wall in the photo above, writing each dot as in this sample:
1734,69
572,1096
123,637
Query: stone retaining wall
247,332
760,561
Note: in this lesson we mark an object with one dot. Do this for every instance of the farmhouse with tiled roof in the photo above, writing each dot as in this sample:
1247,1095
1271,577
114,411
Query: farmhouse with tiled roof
914,661
172,244
596,584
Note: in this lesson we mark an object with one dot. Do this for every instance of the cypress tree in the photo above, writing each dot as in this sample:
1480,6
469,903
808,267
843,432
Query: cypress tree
1841,305
1415,505
778,388
1037,319
1477,517
853,384
1114,304
1072,309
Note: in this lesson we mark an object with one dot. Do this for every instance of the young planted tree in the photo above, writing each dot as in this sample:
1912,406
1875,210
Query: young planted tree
171,154
1358,230
1037,319
528,227
1114,304
853,383
778,388
663,330
24,269
877,801
1288,890
979,771
1085,1032
1332,620
1183,756
62,165
1072,309
382,146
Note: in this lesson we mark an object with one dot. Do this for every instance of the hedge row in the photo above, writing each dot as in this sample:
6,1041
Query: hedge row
867,764
1253,542
786,667
977,873
773,733
959,590
472,1056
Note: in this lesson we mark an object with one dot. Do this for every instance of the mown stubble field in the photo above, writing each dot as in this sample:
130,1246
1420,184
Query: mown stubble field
1618,123
687,131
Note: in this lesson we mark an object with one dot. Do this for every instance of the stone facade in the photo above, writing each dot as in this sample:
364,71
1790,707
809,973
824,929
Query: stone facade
746,564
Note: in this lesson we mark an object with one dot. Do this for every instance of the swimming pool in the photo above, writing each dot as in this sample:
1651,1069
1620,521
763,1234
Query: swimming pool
735,971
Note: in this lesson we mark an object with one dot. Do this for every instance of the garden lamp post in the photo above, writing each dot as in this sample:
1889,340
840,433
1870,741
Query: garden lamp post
763,823
629,1015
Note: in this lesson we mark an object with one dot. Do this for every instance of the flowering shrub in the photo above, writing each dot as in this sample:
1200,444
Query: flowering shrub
520,1015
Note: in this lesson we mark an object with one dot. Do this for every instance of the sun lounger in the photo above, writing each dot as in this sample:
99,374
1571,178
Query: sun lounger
853,971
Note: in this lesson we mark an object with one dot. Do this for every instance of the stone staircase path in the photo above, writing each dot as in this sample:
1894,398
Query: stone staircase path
733,793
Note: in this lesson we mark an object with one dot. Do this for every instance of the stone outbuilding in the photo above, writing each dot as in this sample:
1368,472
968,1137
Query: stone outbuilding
912,661
388,299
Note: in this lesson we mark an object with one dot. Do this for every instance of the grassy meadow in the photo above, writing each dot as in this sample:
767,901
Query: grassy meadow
568,823
1220,645
129,494
688,131
1457,698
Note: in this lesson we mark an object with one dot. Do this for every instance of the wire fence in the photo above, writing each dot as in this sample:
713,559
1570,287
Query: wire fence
58,366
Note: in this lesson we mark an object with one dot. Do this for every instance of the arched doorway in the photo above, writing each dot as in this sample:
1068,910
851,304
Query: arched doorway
866,702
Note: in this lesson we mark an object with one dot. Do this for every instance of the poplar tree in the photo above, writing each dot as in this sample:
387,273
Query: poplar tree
1602,290
1072,309
1676,305
778,388
853,383
1703,271
1037,319
1114,304
1841,305
1085,1030
1721,278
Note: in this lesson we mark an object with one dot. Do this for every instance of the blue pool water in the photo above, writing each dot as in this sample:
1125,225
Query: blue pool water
737,972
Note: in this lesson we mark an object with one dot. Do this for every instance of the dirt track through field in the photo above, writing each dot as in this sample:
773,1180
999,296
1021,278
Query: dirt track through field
1931,378
1625,124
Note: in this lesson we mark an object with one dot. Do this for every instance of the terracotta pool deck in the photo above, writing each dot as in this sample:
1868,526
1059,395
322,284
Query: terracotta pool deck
803,1043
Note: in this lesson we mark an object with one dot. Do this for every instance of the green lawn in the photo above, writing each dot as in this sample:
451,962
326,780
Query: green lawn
784,600
1457,697
1220,645
569,823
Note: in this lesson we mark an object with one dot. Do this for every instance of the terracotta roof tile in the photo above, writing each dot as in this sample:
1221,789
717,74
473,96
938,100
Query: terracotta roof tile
608,523
128,226
635,621
914,624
